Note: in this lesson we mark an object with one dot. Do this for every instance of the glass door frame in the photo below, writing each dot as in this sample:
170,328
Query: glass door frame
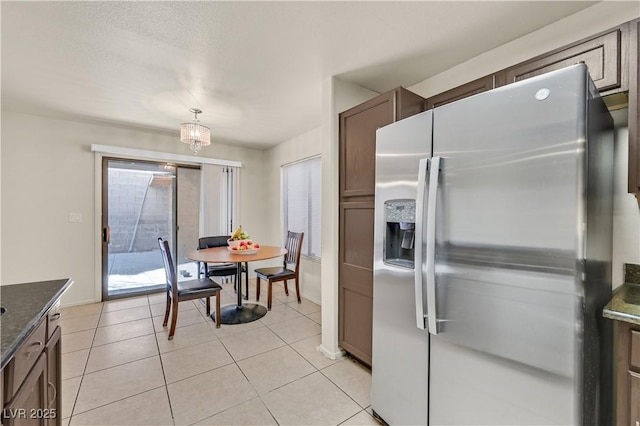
105,237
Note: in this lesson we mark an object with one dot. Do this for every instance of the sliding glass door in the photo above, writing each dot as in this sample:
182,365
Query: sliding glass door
141,203
187,219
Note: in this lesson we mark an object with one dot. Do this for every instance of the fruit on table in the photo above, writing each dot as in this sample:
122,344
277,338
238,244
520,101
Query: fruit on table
239,234
246,245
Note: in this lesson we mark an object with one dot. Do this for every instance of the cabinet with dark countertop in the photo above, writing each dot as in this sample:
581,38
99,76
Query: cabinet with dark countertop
624,307
30,350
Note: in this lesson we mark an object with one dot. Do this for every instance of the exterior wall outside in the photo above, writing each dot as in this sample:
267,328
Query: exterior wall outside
147,212
54,173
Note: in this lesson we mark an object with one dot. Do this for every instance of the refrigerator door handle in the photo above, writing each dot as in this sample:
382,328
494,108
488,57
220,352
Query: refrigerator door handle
430,243
418,235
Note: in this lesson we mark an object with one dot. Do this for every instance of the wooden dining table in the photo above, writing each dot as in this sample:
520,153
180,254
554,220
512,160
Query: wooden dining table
239,313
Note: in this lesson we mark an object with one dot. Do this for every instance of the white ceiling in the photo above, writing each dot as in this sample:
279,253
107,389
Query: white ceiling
255,68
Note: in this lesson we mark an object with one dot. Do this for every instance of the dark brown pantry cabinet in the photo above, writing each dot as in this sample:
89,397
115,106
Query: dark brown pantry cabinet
357,151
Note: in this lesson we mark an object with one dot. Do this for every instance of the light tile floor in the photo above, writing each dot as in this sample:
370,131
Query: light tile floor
118,368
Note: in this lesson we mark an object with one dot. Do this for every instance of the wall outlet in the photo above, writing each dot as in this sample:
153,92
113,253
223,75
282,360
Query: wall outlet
75,217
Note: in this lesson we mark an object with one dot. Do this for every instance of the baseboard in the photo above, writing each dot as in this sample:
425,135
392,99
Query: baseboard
83,302
329,354
310,299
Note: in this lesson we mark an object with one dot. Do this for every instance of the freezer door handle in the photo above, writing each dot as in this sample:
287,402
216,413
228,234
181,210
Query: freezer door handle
430,243
418,249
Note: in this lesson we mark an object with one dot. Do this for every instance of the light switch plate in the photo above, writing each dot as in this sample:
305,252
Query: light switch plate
75,217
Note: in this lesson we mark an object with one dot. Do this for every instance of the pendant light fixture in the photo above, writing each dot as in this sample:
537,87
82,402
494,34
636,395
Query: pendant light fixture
195,134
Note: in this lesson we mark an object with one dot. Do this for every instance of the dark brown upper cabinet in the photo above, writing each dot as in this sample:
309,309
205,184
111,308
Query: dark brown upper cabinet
612,59
358,127
469,89
604,54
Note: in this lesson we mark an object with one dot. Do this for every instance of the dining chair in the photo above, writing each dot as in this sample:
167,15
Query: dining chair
284,273
179,291
222,269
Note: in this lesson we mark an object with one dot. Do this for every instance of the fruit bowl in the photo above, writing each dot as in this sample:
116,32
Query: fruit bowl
247,251
243,246
234,243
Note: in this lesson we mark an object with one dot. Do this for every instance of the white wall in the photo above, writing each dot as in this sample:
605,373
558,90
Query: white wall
301,147
626,211
48,171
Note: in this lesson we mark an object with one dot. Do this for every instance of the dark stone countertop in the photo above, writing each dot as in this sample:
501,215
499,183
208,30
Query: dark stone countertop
25,305
625,303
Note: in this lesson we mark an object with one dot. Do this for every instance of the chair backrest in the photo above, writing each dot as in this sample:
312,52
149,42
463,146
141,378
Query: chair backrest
169,269
294,249
209,242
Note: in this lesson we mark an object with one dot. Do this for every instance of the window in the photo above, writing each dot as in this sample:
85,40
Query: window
302,202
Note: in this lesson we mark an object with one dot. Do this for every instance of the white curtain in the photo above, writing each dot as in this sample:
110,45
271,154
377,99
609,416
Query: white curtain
218,199
230,206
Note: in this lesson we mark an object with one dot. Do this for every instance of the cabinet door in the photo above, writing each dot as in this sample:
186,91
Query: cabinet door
53,319
634,109
358,127
473,88
53,350
603,55
28,405
634,399
24,359
356,278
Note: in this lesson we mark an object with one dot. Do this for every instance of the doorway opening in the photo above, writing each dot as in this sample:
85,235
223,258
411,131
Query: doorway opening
143,201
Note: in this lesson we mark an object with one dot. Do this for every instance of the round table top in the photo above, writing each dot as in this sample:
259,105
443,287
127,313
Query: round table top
224,255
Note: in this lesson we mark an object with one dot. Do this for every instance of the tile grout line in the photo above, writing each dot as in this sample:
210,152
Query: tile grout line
121,399
75,400
340,387
164,375
136,394
220,339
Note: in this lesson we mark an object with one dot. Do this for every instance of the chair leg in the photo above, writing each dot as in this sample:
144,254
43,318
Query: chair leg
298,290
166,311
286,288
174,319
257,288
217,309
208,306
269,296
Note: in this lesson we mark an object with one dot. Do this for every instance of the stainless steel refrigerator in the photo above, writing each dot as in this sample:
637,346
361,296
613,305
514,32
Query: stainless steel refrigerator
492,259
